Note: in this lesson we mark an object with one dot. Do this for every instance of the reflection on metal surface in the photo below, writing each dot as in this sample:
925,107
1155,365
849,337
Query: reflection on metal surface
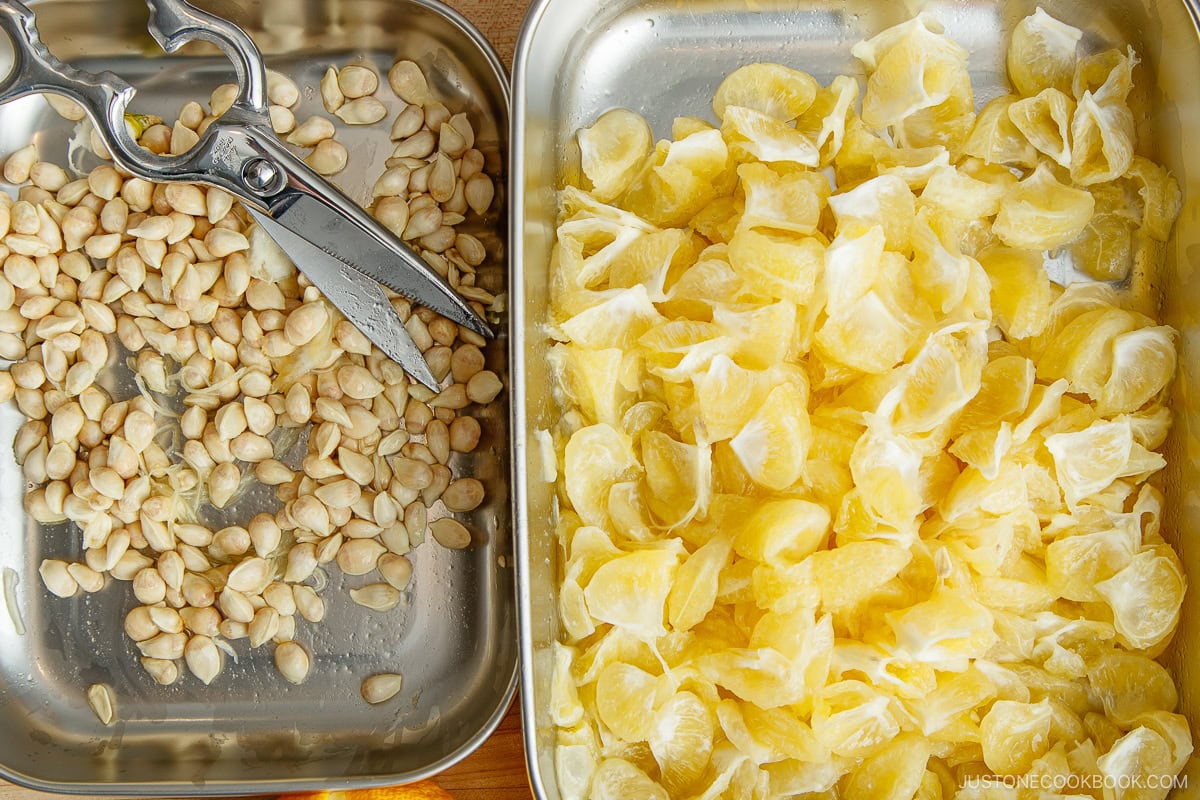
579,58
251,732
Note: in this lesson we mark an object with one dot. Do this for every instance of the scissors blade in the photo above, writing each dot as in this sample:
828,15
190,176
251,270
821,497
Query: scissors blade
357,296
404,273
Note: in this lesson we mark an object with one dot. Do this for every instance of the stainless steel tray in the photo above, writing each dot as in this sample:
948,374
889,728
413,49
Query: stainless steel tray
662,58
455,640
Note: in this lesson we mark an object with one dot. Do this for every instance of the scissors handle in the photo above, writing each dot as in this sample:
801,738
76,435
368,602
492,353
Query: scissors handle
176,22
35,70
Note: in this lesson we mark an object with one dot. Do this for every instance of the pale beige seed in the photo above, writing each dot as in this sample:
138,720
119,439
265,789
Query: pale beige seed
436,115
222,98
309,603
464,434
279,596
357,81
437,439
139,625
183,139
376,596
166,619
272,472
235,605
442,179
418,146
441,479
167,646
358,382
283,120
149,587
301,562
281,89
480,191
422,223
265,534
407,123
470,248
339,494
107,482
361,111
19,163
203,658
392,183
232,630
382,687
356,466
450,533
395,538
416,516
103,703
359,556
88,579
298,404
222,483
222,242
251,447
230,421
313,130
263,627
409,83
198,591
250,576
392,213
164,672
292,661
47,176
233,540
331,92
193,535
396,570
329,157
483,387
57,578
172,569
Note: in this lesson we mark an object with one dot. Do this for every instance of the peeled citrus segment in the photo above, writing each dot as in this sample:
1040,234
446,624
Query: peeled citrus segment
778,266
1140,758
1143,363
596,380
954,694
784,588
1081,352
1045,120
783,530
756,332
654,261
681,740
728,396
1161,198
893,773
678,476
1088,461
1109,72
886,202
771,89
913,165
783,199
618,779
762,676
1075,564
625,698
1104,251
912,67
696,583
945,631
1040,213
1102,136
851,266
616,322
753,134
706,283
575,758
595,458
995,139
852,719
984,448
631,590
1129,685
938,383
565,708
1005,387
1145,597
1174,730
614,150
961,195
1021,293
1013,734
1041,54
773,445
824,123
848,575
887,470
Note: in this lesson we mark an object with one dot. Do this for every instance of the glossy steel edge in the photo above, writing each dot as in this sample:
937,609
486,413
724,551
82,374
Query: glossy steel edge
165,789
518,439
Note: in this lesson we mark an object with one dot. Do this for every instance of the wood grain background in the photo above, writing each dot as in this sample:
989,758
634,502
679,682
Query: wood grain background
497,770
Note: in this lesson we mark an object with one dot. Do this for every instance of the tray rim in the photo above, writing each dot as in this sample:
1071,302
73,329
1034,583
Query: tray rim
249,787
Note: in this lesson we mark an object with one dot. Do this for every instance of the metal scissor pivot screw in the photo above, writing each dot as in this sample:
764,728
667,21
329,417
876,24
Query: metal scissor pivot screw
261,176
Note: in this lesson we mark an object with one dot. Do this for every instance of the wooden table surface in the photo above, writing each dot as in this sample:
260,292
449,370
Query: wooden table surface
496,771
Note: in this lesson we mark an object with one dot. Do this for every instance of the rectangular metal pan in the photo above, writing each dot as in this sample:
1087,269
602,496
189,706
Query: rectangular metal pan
455,638
579,58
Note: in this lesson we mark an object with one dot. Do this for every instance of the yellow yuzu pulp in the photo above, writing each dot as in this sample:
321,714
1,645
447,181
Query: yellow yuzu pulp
853,496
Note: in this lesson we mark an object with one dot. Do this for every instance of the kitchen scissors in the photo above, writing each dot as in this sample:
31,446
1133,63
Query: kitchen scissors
342,250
